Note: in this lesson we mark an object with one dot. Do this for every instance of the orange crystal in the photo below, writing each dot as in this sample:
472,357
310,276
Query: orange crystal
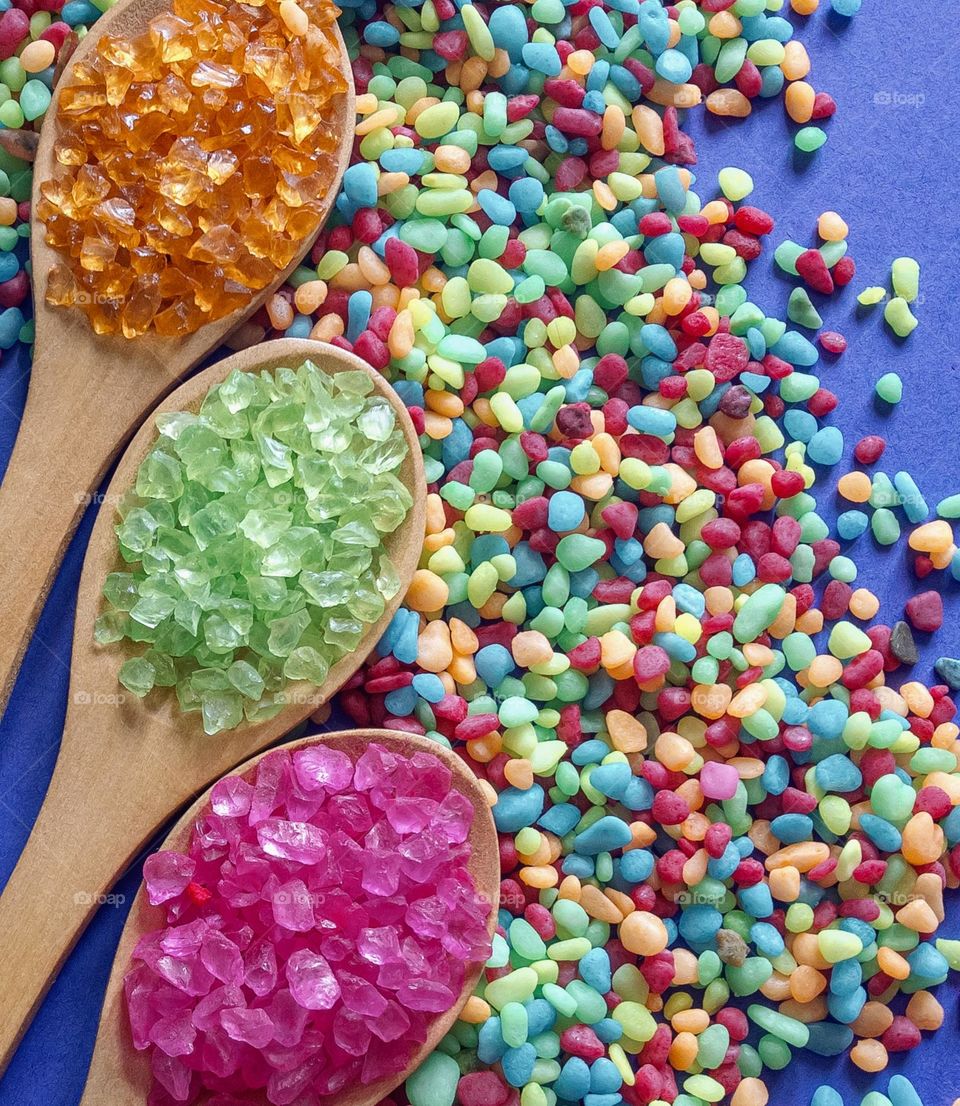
192,162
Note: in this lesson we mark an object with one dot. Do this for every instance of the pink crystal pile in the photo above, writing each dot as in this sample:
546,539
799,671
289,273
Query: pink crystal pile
323,916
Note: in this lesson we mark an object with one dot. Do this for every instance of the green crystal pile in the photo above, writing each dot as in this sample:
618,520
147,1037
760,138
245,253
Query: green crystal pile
255,540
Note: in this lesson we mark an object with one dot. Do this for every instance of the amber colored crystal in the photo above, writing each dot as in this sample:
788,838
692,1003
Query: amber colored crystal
193,161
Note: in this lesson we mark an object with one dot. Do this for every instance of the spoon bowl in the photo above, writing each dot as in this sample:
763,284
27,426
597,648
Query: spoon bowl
120,1076
88,392
126,764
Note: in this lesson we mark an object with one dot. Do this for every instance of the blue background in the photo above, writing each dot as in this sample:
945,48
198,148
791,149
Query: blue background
889,168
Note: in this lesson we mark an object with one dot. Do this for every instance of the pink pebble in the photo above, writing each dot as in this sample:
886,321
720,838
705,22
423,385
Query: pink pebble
718,781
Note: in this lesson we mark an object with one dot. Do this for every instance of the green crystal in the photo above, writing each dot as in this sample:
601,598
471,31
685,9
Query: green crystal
255,539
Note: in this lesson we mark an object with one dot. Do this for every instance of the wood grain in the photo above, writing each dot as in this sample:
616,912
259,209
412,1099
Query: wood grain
127,765
89,392
120,1076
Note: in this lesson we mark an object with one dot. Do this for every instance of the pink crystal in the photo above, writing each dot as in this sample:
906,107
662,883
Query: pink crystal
320,767
166,875
339,922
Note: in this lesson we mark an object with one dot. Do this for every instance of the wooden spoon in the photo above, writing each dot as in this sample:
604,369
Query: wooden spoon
125,764
120,1076
89,392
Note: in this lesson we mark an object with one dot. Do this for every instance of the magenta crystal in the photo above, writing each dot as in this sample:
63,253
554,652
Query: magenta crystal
321,918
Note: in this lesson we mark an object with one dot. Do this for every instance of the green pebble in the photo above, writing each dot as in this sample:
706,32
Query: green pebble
759,612
735,184
809,139
890,388
787,1029
905,274
434,1083
885,526
899,317
800,310
949,507
34,99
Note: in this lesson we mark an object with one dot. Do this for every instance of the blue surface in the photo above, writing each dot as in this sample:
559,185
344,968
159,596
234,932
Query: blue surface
887,170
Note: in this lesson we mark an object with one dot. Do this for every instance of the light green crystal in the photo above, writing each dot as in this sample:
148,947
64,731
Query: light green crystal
255,541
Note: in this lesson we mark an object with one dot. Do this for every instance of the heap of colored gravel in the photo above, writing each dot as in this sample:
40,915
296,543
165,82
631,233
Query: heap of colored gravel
255,538
321,917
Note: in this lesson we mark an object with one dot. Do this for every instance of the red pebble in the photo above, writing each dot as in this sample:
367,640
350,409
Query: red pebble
925,611
832,341
14,27
901,1036
580,1040
814,272
870,449
844,270
482,1088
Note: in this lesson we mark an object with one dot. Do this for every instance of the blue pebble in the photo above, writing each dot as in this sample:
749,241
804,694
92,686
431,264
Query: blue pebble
639,794
927,965
542,58
771,82
561,818
401,701
517,1064
381,33
848,9
845,976
658,341
676,646
580,866
636,865
838,773
826,1096
360,184
541,1016
654,26
667,180
605,835
79,11
796,349
674,66
594,101
756,900
901,1092
565,511
767,939
829,1039
605,1078
846,1008
611,780
11,322
851,524
516,809
652,420
689,600
526,195
490,1043
827,718
496,208
9,266
914,505
429,686
776,775
506,159
573,1082
744,570
595,970
885,836
494,663
826,446
608,1030
791,828
799,425
699,923
508,29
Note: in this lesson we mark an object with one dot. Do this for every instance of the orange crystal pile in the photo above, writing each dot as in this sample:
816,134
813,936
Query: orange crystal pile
194,160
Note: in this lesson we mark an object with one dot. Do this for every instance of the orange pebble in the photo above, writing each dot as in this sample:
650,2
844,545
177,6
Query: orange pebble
925,1011
519,774
683,1051
869,1055
873,1020
922,840
864,604
643,933
750,1092
806,983
855,486
728,102
798,100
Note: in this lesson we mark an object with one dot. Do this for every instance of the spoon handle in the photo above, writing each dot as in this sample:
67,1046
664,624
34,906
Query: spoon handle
77,416
84,837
